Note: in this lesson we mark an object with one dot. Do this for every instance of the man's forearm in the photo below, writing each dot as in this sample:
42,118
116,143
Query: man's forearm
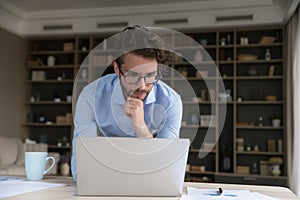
143,131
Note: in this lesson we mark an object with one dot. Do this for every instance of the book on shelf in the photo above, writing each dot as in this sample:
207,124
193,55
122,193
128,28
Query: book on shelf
242,169
275,145
271,145
279,145
271,70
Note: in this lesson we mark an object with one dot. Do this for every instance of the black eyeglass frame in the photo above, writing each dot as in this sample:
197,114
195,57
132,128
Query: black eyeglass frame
157,76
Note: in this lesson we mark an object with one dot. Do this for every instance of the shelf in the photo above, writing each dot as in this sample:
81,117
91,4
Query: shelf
194,47
228,46
258,102
222,62
46,125
201,79
202,151
196,126
196,63
58,147
258,77
50,52
250,175
48,103
71,66
199,102
51,81
260,61
228,78
198,172
227,102
206,102
262,153
258,45
193,79
259,127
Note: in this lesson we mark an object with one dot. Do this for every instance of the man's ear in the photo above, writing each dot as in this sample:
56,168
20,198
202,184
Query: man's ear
116,68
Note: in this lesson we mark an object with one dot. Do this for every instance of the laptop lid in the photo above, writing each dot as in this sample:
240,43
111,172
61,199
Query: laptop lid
130,166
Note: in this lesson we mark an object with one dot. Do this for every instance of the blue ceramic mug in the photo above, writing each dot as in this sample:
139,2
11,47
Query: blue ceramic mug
35,165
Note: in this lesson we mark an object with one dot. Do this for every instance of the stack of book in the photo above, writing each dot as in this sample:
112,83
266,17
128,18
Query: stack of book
275,145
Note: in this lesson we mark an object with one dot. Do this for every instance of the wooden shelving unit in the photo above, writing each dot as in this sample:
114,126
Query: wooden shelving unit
235,76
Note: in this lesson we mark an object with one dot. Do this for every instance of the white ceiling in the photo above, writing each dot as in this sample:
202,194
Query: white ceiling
46,5
27,17
38,5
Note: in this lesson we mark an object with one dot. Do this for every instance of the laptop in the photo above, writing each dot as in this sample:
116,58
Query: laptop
115,166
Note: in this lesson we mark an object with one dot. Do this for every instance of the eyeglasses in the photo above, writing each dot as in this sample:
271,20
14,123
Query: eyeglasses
134,77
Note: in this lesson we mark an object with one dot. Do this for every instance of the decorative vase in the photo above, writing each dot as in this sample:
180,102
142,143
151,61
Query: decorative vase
203,42
223,41
198,57
65,169
50,61
84,74
194,119
275,170
226,164
276,122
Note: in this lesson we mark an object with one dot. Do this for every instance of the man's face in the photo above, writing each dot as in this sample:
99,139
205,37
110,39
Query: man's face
135,66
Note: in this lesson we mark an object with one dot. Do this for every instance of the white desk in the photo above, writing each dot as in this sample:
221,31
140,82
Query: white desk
69,191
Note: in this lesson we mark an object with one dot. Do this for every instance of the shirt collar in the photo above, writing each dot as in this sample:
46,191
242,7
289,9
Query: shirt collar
118,97
151,96
117,93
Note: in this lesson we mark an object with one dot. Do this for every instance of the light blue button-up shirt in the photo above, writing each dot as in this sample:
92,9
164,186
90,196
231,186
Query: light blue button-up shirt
100,108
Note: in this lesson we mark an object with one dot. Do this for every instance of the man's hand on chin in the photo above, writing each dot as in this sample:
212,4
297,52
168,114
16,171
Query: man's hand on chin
134,108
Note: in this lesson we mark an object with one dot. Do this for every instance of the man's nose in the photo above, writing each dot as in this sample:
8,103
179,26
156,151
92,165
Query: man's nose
141,83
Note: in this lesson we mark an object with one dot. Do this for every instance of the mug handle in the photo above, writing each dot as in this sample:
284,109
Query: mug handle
53,163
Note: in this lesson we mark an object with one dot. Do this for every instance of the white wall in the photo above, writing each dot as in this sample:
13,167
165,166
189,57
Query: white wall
12,86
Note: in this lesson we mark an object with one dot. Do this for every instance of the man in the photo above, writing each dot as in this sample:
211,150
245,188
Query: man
132,102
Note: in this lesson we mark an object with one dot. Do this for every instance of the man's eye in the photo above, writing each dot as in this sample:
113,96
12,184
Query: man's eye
151,75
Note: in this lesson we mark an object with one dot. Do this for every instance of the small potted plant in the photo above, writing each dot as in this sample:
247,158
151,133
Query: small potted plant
275,168
276,121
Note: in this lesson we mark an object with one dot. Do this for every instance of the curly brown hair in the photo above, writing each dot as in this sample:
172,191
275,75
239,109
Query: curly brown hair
137,36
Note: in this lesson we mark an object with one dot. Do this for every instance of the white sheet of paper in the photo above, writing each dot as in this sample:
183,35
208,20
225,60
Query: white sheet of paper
263,197
195,193
14,186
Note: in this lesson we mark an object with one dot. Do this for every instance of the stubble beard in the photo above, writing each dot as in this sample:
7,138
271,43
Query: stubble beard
131,93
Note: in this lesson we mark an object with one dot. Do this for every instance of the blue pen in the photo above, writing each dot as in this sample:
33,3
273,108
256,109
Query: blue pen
220,192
